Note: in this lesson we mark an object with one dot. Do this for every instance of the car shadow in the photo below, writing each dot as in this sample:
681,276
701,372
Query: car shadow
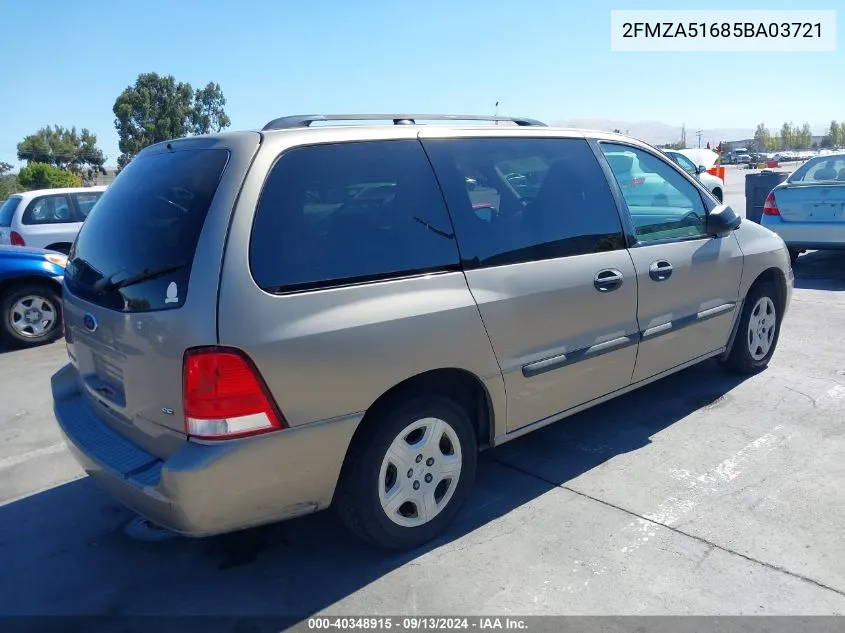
820,270
66,550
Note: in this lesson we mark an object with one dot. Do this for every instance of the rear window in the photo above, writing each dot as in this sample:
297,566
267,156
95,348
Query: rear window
822,169
350,213
135,250
7,210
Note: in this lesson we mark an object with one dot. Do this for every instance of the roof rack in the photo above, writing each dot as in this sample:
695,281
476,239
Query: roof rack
305,120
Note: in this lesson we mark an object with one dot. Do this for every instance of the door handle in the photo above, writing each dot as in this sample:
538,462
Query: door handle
660,270
608,280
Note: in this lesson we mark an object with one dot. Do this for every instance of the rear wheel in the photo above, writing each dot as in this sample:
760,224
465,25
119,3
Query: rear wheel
31,314
408,473
758,331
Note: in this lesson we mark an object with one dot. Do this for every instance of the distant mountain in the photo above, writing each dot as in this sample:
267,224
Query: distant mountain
658,133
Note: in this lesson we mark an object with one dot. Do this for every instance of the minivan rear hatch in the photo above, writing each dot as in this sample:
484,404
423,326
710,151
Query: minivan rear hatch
141,283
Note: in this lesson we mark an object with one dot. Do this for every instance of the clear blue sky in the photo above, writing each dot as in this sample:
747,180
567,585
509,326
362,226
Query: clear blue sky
66,62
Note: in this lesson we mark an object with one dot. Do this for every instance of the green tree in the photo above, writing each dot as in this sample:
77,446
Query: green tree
64,148
803,136
762,137
786,140
46,176
842,133
834,133
8,181
158,108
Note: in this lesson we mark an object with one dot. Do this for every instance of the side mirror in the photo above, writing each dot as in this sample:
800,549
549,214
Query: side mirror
722,220
701,169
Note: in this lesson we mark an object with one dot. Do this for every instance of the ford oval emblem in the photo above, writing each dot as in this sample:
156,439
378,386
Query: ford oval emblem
90,322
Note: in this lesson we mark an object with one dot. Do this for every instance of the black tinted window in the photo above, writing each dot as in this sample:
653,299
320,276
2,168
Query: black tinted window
136,248
49,210
515,200
7,210
349,212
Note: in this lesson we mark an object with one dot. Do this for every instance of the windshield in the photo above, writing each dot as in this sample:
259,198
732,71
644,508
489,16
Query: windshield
135,250
821,169
7,210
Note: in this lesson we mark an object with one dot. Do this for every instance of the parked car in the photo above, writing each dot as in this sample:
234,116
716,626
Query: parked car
712,183
30,295
46,218
239,354
808,209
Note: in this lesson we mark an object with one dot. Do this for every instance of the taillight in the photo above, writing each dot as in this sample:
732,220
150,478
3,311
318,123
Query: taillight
16,239
225,396
770,206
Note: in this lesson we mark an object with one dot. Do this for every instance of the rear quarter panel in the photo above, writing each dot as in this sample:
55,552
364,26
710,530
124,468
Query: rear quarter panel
331,353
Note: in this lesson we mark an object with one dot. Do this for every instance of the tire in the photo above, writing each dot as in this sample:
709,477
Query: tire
749,354
377,465
793,255
717,193
14,324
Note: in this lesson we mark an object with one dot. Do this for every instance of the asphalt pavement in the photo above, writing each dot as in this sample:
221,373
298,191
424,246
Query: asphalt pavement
700,494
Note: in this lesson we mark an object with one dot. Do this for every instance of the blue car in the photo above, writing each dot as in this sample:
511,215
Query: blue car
30,295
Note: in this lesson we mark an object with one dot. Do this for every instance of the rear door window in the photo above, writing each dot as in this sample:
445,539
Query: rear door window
54,209
86,201
516,200
136,248
7,210
346,213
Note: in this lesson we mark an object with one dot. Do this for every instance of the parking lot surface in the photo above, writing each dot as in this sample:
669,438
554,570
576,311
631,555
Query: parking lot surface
703,493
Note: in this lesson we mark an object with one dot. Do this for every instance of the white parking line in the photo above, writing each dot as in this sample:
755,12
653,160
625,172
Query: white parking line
699,488
836,394
14,460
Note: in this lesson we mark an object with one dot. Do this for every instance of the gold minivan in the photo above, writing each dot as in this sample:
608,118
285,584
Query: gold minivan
264,324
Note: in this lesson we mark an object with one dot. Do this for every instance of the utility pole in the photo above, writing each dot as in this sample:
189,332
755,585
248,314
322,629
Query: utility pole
698,134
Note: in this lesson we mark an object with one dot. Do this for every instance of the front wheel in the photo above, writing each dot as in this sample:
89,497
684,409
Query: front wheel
408,473
31,315
758,331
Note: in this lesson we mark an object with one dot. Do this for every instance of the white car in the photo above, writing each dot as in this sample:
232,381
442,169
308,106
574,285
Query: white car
46,218
713,183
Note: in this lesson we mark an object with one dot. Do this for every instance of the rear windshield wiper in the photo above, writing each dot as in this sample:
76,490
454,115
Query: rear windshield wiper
106,285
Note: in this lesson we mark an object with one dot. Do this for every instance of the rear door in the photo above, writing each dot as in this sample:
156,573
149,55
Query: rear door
141,283
50,220
815,193
688,280
548,267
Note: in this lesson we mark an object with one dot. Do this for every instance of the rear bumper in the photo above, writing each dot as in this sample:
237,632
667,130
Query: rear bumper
204,489
808,235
